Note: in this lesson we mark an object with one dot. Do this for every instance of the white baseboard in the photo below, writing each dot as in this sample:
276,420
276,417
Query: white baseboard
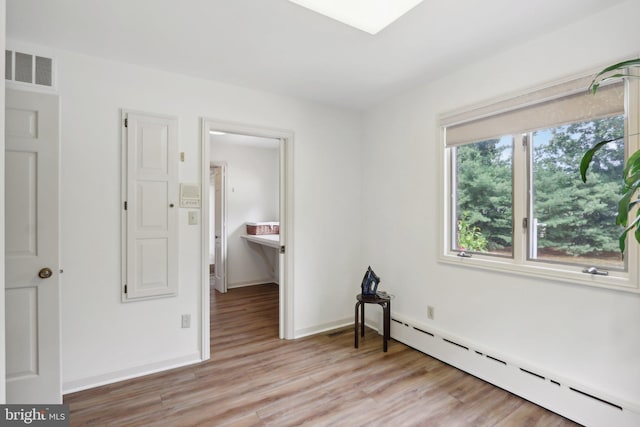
305,332
98,380
250,283
563,396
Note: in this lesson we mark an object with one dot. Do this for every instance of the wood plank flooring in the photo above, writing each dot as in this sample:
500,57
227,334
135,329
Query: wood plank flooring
255,379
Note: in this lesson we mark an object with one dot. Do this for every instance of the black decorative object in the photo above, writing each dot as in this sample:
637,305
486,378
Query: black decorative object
370,282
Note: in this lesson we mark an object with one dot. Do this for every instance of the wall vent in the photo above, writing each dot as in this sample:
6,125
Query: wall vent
533,373
27,68
423,331
455,343
496,360
596,398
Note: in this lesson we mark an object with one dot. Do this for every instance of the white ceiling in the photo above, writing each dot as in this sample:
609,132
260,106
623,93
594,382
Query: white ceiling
278,46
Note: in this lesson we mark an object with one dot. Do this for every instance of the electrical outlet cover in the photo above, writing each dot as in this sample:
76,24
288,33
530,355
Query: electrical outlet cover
430,312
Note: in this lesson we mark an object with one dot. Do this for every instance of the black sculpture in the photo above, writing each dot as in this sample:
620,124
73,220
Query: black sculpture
370,282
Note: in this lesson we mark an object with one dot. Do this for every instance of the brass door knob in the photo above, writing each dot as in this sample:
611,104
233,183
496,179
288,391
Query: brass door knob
45,273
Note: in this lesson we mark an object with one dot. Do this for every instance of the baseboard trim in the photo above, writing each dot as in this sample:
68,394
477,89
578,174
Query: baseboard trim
251,283
305,332
129,373
561,395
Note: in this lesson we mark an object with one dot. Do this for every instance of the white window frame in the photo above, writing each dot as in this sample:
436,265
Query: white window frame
519,264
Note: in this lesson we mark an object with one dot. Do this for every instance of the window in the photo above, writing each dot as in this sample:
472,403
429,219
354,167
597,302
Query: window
573,222
513,195
484,197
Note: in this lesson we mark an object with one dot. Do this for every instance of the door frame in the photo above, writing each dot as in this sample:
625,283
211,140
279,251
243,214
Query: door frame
286,305
223,228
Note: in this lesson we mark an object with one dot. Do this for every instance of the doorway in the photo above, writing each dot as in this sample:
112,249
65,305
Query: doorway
283,141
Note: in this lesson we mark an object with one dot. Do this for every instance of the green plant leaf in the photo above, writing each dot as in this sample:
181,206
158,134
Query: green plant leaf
622,242
632,175
588,157
634,204
632,180
633,164
623,208
595,83
594,86
623,236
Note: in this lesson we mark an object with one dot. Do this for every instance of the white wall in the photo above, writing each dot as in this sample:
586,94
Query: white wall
253,190
587,335
104,339
3,14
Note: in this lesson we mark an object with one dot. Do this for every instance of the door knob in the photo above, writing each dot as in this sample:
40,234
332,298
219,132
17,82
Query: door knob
45,273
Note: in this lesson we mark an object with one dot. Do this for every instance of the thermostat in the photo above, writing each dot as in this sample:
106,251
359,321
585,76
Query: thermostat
189,196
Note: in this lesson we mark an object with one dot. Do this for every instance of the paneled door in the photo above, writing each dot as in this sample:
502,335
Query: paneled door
150,206
32,290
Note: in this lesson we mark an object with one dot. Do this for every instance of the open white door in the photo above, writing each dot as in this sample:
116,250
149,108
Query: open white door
32,289
220,234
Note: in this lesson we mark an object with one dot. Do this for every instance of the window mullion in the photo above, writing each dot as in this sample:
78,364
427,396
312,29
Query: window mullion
632,131
520,199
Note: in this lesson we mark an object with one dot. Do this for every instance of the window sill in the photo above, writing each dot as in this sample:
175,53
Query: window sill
620,281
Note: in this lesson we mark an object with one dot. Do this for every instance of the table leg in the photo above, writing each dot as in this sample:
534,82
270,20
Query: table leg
356,326
387,325
362,305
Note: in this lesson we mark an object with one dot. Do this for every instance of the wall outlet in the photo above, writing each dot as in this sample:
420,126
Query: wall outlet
430,312
186,321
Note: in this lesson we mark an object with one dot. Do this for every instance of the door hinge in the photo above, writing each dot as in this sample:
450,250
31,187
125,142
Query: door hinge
125,206
126,122
525,141
525,222
125,288
282,249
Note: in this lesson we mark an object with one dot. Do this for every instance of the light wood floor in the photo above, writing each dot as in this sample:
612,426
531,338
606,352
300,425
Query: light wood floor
255,379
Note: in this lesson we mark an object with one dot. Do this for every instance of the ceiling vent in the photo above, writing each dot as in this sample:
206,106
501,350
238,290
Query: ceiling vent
27,68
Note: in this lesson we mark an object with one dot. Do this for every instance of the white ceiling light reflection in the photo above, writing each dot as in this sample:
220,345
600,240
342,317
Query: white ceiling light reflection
366,15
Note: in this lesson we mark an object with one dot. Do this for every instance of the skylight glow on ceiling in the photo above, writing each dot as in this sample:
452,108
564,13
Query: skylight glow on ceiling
366,15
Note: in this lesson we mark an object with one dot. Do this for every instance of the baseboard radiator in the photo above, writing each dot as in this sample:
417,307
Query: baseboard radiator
572,401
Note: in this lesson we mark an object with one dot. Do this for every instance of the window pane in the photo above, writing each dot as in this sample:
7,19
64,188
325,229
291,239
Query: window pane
575,222
482,206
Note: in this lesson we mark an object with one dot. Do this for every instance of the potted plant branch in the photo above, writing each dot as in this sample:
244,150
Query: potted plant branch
631,174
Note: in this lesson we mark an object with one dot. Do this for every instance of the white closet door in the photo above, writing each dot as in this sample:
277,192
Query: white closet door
150,206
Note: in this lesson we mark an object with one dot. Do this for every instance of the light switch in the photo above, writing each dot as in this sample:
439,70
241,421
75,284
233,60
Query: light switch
193,217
